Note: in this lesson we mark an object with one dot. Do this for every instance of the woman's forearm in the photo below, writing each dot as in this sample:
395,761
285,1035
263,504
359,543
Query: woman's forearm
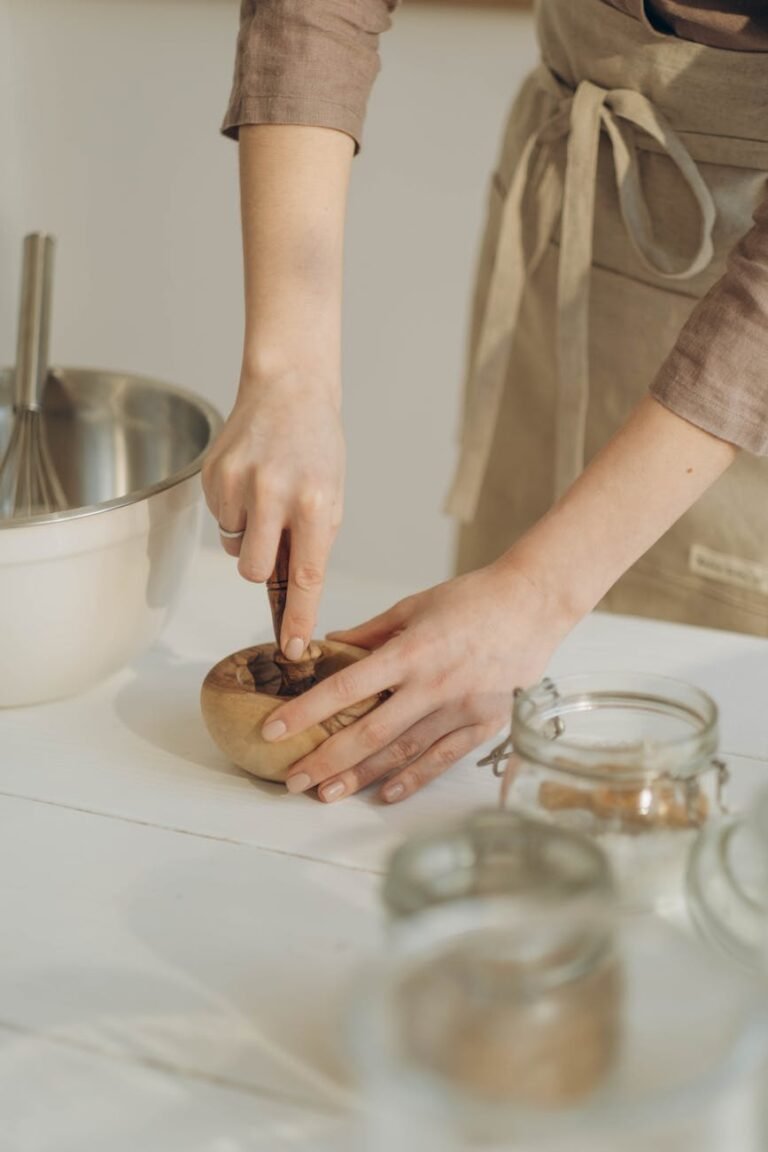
654,468
278,463
293,186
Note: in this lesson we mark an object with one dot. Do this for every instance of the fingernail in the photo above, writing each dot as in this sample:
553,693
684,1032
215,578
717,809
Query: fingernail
273,730
294,649
333,791
393,792
298,783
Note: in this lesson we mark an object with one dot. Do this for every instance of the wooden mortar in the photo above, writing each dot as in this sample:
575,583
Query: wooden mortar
241,691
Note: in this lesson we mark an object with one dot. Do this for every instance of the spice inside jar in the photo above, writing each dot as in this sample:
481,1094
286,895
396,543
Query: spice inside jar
628,759
518,1012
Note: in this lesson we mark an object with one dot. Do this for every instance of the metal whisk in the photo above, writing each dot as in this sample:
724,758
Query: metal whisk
28,481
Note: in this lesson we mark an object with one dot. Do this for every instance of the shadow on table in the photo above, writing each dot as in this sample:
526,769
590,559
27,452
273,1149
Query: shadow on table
162,706
262,951
130,1058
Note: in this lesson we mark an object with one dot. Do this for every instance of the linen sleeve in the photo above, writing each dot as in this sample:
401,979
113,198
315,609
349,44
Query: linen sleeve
716,376
306,62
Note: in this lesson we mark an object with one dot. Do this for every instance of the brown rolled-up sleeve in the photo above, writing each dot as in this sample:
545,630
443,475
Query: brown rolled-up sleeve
306,62
717,373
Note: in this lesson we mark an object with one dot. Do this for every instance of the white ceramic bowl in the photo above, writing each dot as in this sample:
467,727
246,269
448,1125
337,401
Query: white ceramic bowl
83,592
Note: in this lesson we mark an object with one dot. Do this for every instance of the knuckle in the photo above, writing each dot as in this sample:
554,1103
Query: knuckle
479,710
364,774
446,755
270,486
468,705
298,623
307,577
410,650
375,734
225,474
253,571
345,685
404,750
441,676
311,501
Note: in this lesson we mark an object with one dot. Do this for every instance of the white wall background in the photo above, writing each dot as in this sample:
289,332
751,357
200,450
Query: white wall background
109,113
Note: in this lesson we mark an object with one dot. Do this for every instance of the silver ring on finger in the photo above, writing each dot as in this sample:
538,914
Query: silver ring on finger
226,535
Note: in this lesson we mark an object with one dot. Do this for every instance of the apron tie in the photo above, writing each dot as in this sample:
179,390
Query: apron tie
581,116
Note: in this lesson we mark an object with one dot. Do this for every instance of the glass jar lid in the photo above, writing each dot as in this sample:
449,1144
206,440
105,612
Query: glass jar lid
631,727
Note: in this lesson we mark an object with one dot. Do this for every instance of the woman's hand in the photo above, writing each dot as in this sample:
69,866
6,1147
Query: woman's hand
452,656
279,463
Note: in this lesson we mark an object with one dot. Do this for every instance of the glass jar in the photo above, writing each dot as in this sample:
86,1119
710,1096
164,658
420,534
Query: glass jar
490,1026
626,758
727,886
493,852
483,1003
548,978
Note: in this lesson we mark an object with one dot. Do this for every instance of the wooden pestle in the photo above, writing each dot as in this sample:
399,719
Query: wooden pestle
298,675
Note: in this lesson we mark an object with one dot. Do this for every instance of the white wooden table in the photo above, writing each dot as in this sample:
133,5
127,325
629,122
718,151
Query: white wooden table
176,936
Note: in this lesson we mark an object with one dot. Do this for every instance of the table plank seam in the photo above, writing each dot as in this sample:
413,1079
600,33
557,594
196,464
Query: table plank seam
759,758
105,815
169,1068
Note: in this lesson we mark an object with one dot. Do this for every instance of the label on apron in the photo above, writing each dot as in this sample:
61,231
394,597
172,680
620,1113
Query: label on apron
730,570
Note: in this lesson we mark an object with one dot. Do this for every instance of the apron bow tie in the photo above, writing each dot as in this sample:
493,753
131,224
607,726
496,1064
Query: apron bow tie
580,115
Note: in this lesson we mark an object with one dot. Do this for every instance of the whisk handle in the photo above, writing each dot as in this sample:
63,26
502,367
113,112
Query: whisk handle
34,320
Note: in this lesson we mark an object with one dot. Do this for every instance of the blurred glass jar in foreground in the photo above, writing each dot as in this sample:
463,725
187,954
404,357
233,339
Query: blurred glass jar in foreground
629,759
492,1025
493,852
727,886
539,1014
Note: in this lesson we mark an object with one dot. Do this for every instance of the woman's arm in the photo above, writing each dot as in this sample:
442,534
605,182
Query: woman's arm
279,461
643,480
454,654
293,196
303,73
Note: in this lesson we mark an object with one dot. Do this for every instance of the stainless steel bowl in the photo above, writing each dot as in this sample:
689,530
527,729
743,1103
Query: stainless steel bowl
83,592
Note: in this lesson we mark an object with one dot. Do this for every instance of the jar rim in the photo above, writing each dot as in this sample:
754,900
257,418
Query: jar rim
408,888
682,756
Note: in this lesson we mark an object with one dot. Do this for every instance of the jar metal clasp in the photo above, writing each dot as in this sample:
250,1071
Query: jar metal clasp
498,756
723,778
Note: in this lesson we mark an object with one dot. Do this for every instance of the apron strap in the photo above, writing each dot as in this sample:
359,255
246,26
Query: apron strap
499,322
581,115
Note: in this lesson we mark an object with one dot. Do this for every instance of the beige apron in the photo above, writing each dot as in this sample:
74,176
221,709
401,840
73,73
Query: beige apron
631,165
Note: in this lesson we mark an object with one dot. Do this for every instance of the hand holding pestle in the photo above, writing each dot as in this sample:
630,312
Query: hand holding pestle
240,692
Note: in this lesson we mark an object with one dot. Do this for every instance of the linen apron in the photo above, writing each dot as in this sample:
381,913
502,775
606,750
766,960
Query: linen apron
631,165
